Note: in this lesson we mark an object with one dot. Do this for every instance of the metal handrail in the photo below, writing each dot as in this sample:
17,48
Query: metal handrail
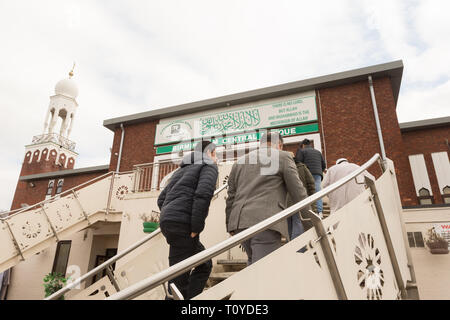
154,163
11,211
57,196
155,280
112,260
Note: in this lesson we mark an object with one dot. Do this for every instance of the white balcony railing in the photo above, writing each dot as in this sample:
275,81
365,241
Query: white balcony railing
149,176
56,138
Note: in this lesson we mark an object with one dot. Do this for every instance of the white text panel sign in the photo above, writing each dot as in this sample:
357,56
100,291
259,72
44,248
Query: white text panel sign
269,113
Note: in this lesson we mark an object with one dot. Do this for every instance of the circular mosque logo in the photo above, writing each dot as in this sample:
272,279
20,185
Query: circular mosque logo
177,131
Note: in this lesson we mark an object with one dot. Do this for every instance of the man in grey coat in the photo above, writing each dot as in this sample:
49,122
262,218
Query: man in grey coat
257,189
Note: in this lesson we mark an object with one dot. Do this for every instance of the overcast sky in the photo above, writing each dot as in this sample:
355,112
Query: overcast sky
134,56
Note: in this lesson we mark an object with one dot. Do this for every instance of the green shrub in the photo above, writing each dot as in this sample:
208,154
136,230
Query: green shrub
54,282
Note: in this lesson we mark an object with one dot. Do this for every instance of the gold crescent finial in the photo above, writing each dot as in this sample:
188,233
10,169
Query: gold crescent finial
71,71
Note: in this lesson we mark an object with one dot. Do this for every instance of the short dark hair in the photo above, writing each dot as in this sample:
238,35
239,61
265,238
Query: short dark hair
306,142
205,145
271,137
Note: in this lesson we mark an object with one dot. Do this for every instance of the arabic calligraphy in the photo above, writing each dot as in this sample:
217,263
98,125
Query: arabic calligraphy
230,121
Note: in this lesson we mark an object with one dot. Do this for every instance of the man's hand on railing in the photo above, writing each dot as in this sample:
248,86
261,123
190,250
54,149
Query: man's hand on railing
193,234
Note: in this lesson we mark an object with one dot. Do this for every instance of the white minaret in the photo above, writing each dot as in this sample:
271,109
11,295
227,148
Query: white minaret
53,146
62,106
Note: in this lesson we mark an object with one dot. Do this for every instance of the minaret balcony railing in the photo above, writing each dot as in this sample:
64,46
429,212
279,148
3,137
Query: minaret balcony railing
56,138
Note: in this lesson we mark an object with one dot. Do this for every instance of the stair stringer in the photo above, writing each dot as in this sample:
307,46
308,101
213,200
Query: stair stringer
29,232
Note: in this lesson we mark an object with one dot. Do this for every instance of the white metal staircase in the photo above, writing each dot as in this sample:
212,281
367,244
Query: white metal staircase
30,230
359,252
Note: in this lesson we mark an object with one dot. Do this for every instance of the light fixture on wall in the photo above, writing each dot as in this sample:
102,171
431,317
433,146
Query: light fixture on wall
31,184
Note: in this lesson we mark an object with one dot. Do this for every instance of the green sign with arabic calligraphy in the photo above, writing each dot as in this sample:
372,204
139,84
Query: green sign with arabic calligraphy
241,138
269,113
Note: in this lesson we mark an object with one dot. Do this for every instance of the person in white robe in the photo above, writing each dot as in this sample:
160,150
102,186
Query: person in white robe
348,191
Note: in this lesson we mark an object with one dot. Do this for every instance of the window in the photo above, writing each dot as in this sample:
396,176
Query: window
415,240
442,168
59,186
446,194
49,193
425,197
421,179
62,257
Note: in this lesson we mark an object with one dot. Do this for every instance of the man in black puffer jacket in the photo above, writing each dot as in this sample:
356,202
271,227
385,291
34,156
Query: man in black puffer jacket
184,205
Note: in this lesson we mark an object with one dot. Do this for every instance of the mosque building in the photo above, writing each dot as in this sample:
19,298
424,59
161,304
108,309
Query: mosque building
351,114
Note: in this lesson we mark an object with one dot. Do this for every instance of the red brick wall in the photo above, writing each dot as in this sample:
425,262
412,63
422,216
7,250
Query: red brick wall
31,195
43,165
426,142
138,145
24,193
350,129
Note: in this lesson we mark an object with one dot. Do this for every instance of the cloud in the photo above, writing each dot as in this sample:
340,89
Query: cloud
425,103
136,56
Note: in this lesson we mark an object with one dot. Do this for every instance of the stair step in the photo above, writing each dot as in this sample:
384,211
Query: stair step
219,276
233,262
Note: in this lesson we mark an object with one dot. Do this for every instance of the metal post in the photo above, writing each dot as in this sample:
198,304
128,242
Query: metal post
140,173
108,204
328,253
136,174
50,223
16,244
167,292
110,275
81,207
379,209
154,177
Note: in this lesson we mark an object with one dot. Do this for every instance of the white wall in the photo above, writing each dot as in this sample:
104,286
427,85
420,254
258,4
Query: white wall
27,277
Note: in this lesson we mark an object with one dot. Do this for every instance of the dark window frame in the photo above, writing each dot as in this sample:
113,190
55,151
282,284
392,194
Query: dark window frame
59,186
58,249
415,239
50,187
425,197
445,195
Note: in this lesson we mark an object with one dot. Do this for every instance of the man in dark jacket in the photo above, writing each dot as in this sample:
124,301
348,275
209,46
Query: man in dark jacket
313,159
184,206
295,225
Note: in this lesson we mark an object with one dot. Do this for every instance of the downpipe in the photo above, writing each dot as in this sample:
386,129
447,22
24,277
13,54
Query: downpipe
120,148
377,122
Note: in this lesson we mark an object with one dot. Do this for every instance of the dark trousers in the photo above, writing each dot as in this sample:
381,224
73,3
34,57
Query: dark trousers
261,245
181,247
